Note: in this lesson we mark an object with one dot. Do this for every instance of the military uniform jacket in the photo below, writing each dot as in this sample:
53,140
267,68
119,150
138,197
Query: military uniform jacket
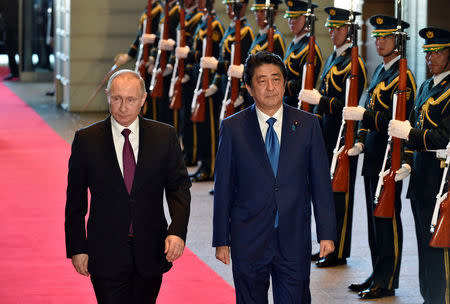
225,59
430,120
193,18
174,20
333,89
373,127
294,60
260,43
200,34
157,10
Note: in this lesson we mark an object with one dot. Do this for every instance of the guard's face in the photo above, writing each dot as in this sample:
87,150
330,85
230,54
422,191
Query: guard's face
385,45
338,35
125,99
260,16
437,61
267,87
297,24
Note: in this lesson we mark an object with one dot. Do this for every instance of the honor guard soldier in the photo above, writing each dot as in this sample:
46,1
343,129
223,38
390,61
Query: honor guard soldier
260,42
146,39
193,17
225,62
428,130
329,101
205,133
385,234
165,44
297,51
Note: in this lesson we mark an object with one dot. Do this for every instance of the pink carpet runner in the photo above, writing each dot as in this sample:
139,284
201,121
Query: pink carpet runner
33,179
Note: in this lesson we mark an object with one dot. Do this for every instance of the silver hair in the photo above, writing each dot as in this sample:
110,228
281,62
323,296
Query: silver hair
131,73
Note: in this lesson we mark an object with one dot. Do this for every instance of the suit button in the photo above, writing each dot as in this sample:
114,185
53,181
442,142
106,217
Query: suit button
274,212
276,188
132,202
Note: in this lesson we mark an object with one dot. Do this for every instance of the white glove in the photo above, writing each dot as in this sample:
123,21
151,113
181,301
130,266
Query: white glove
185,78
150,67
209,63
211,90
237,102
236,71
166,45
403,172
353,113
310,96
399,129
182,52
121,59
447,151
168,70
356,149
148,38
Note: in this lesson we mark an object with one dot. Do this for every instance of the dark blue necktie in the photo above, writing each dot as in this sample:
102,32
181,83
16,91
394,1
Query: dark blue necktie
273,151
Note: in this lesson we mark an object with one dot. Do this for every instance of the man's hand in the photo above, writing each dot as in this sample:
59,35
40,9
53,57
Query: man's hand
356,149
223,254
211,90
326,247
402,173
209,63
182,52
166,45
353,113
121,59
236,71
148,38
174,247
310,96
399,129
80,262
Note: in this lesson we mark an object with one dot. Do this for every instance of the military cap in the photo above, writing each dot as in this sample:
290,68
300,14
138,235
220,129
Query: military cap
261,4
234,1
338,17
436,39
385,25
297,8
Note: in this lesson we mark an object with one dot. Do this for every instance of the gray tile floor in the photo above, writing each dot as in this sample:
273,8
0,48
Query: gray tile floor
327,285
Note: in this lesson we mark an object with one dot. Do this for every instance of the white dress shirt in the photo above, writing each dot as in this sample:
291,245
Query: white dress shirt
342,48
388,65
263,125
119,139
438,78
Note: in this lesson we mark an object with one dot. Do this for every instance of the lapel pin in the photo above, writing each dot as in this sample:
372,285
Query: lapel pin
295,125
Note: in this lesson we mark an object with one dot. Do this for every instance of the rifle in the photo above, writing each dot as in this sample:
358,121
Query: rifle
386,204
175,92
236,57
340,177
270,31
142,58
308,72
198,114
157,83
441,227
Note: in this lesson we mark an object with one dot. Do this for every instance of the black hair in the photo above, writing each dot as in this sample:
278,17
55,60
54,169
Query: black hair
263,57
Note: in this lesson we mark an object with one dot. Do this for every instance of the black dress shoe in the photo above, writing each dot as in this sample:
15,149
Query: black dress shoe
202,176
10,77
360,287
376,292
211,192
315,257
330,261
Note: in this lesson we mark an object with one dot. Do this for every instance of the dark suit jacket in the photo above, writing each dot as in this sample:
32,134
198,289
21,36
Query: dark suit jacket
93,165
247,194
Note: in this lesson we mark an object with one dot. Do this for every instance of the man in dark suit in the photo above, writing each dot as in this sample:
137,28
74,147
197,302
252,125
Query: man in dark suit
128,244
270,165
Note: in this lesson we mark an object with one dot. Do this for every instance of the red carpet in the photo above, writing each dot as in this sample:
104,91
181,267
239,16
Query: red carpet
33,267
